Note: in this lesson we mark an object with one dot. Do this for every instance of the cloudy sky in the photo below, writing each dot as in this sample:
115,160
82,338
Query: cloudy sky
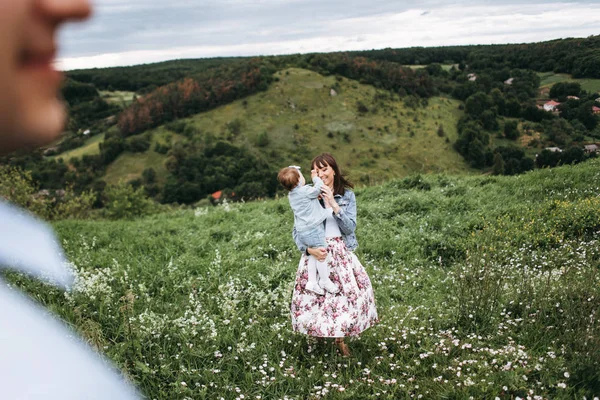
128,32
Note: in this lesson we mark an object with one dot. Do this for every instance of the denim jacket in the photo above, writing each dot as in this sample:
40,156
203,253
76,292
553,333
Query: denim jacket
308,212
346,220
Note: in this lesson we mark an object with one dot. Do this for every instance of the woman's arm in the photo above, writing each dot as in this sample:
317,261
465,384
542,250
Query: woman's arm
346,215
317,252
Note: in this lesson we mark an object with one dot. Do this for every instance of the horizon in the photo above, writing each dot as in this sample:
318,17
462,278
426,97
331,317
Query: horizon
126,34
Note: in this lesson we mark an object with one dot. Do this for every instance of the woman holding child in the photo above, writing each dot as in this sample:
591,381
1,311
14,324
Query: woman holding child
349,308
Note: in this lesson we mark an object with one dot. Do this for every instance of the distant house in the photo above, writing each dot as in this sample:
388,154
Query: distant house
572,97
554,149
217,195
591,148
551,105
472,77
596,110
509,81
598,99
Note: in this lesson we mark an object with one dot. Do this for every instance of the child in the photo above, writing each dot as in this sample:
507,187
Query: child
308,219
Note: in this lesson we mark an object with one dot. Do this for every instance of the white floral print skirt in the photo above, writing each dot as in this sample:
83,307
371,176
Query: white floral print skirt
346,313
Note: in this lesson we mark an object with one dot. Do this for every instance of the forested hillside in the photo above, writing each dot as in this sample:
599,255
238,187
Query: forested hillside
121,118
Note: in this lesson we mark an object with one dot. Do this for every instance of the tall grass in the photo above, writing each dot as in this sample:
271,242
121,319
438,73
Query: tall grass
487,287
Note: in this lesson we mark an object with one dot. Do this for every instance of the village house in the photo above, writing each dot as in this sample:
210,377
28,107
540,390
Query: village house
591,148
551,105
554,149
509,81
472,77
572,97
596,110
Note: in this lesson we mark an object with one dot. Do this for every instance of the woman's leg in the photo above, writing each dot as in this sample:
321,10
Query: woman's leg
343,347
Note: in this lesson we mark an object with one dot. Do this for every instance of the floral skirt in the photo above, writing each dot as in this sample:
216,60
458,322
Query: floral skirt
346,313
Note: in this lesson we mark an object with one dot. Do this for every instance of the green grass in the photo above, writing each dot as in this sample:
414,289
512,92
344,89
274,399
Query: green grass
302,120
90,147
550,78
486,287
121,98
445,67
129,166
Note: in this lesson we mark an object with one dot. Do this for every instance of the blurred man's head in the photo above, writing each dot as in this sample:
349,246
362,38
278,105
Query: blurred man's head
31,113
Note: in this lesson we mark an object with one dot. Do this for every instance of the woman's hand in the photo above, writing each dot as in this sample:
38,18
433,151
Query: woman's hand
327,194
318,252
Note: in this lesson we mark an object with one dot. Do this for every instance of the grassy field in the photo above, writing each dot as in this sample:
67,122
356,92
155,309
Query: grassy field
129,166
121,98
445,67
90,147
487,287
550,78
301,119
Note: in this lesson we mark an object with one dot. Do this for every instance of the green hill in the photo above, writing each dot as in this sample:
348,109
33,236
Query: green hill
486,287
298,118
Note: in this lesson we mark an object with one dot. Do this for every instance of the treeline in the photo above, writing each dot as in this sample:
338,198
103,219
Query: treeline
148,77
381,74
577,56
194,95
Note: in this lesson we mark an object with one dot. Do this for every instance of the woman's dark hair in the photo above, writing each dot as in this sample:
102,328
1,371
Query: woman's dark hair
340,183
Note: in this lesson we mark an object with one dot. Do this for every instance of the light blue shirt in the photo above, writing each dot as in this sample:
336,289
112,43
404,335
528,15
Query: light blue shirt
308,212
41,357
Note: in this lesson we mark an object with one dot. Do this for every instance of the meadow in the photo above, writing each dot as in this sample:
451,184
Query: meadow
297,117
550,78
486,287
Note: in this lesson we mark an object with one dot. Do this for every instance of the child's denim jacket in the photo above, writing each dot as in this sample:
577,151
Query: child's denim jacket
346,219
308,212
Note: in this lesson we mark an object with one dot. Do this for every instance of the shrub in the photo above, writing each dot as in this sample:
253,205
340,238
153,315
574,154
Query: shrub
17,187
263,139
137,144
125,202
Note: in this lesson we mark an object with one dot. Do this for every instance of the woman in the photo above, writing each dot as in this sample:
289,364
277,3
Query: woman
352,310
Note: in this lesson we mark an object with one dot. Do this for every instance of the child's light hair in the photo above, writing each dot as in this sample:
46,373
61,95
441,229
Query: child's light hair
289,177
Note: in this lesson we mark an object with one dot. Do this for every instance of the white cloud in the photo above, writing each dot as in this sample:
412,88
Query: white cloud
429,25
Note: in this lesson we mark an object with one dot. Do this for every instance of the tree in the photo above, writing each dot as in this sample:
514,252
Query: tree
478,103
488,120
477,154
573,155
558,130
125,202
498,164
440,131
511,130
547,158
563,89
